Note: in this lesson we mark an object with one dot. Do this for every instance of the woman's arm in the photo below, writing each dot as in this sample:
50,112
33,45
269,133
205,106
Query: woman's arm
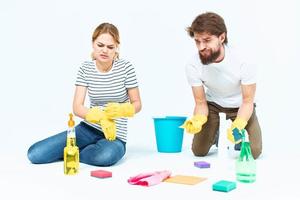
135,100
78,102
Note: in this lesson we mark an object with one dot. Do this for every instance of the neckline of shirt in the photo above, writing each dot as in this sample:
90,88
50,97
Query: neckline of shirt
108,72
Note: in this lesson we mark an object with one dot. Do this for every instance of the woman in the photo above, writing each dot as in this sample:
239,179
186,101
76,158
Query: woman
114,95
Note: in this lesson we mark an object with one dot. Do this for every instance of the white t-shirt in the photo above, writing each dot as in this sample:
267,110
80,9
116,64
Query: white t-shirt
222,81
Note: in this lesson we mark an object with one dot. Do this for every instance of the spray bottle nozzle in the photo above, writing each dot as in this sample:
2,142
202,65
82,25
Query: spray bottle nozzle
71,122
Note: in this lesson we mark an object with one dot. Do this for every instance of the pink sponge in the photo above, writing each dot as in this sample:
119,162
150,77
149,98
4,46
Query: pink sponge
101,174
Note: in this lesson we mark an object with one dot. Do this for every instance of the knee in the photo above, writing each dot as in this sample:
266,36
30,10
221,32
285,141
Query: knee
199,151
34,155
256,151
108,158
105,158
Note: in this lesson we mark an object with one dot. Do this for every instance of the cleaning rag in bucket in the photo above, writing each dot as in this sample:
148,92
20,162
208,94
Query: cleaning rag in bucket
150,178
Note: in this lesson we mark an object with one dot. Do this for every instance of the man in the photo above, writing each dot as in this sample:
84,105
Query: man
221,82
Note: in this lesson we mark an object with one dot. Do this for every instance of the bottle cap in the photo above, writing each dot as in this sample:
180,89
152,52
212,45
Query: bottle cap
71,122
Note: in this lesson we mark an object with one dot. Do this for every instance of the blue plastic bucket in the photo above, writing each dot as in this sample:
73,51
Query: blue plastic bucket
168,134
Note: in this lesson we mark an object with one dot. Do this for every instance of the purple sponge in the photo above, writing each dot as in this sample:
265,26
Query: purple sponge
202,164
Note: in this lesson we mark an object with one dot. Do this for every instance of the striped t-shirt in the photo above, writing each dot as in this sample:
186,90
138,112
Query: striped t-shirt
108,87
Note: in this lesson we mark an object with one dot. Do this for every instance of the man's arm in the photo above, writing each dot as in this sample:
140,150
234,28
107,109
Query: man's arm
195,123
248,94
201,107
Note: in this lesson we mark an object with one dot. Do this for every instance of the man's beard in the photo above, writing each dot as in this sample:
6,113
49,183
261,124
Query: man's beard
211,57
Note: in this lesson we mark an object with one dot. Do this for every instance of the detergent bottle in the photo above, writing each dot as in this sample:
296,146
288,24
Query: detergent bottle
71,151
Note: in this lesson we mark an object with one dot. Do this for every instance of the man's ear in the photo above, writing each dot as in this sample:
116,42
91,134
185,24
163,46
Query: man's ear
222,37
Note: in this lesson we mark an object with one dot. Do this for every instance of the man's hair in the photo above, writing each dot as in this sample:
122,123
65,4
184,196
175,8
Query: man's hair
208,22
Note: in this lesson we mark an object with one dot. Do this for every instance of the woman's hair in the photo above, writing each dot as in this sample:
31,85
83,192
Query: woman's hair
208,22
110,29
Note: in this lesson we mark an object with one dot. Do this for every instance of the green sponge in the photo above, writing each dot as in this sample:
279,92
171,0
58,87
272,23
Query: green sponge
224,186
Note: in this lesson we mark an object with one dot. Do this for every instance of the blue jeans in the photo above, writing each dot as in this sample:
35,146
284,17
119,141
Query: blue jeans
93,147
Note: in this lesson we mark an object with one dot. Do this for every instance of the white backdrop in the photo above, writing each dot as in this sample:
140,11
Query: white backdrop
42,44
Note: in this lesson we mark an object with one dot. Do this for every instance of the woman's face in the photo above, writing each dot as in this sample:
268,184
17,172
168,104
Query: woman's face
105,48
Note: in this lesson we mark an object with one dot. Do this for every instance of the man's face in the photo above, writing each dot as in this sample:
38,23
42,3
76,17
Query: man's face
209,46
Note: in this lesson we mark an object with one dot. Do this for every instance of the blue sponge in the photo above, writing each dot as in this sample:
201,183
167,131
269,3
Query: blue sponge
238,137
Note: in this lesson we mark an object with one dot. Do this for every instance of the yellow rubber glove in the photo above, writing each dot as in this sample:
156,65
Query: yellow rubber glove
239,124
116,110
109,128
230,136
194,125
94,115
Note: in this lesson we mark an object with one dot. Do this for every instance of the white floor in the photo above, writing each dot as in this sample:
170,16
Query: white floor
277,177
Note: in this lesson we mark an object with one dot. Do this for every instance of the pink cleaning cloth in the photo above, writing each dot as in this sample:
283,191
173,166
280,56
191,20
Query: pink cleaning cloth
149,179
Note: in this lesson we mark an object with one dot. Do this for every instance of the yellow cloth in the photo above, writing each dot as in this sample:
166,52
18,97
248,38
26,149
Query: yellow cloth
117,110
194,125
238,123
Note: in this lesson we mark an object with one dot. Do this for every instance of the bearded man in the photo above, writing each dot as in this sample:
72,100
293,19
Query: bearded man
221,81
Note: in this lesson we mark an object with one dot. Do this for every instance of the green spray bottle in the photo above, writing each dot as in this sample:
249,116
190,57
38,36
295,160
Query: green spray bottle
245,163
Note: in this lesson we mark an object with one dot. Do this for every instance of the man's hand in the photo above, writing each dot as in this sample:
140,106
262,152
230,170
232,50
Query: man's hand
194,125
234,132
